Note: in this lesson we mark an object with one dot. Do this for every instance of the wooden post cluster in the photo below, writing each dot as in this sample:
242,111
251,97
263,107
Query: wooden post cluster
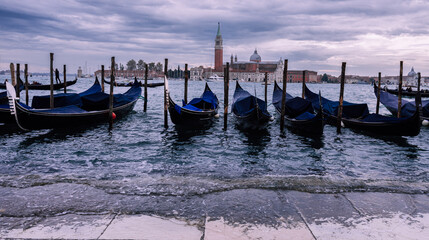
112,80
401,66
226,95
186,84
282,115
303,84
165,94
340,106
18,73
378,93
52,80
26,83
65,79
145,87
102,78
266,87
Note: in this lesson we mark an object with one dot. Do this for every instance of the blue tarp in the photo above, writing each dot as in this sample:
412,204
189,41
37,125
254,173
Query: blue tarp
380,118
350,110
60,100
408,108
207,101
294,106
64,99
244,103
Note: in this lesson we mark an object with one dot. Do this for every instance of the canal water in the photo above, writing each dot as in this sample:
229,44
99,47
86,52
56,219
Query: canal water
141,158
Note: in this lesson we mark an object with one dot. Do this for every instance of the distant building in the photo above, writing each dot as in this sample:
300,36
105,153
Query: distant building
79,72
253,70
130,73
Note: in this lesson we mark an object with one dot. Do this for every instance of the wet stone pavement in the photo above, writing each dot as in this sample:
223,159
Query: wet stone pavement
79,211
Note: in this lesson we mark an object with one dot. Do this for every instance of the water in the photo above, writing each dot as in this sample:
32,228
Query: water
140,158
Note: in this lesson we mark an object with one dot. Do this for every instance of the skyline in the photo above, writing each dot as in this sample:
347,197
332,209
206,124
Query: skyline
313,35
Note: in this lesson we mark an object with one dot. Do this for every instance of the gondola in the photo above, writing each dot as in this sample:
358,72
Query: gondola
408,108
94,109
300,116
38,86
356,116
407,92
41,102
198,113
141,84
250,112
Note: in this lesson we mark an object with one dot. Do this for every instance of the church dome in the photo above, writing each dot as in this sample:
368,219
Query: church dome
412,73
255,57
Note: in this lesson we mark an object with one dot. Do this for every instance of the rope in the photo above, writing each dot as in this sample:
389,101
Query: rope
144,99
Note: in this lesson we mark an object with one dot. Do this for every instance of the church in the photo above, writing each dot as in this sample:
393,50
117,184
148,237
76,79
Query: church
252,70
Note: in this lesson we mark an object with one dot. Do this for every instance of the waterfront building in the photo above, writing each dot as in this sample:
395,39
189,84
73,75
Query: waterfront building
252,70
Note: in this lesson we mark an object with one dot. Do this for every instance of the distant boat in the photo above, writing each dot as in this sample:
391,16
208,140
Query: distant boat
215,77
39,86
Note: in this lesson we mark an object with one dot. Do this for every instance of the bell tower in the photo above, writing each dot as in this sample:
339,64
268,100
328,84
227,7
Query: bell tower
218,50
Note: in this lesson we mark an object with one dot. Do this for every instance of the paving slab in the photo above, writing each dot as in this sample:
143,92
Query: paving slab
70,226
221,230
250,206
313,207
421,202
398,226
151,227
375,203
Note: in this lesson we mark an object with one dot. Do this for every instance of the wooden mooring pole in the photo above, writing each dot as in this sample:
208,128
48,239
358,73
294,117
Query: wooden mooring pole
303,85
12,73
186,84
102,78
165,94
401,67
378,94
282,114
26,83
145,87
266,87
65,79
340,105
226,95
52,80
18,73
112,80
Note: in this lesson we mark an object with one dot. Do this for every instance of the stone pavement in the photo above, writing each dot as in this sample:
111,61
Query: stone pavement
234,214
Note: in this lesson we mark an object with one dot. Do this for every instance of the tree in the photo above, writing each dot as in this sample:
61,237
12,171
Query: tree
121,66
325,78
131,65
158,67
151,66
140,65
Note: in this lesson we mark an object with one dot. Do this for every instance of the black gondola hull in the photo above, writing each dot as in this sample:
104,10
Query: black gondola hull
38,120
6,116
310,127
254,121
191,119
150,85
407,127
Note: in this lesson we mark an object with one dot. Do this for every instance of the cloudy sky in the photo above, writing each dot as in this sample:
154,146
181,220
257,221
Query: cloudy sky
371,36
